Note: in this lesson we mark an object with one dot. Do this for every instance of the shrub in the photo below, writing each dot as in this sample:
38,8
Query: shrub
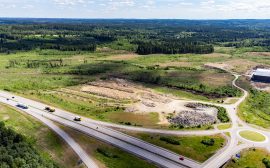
106,153
266,162
170,140
208,142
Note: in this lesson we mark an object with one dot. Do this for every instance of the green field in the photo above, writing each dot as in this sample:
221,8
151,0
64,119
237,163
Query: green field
106,155
224,126
252,136
38,74
189,146
256,108
250,158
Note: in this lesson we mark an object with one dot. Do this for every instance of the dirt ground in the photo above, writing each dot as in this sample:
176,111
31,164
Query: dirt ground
144,100
261,86
238,65
264,54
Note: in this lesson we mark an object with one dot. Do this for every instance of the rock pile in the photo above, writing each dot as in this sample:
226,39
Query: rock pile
192,119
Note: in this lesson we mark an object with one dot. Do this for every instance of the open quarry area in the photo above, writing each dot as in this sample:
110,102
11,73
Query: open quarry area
169,108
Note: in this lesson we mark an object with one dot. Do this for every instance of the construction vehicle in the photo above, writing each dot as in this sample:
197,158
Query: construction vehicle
49,109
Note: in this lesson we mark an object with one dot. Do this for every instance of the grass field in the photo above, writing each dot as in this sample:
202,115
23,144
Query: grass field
252,136
256,108
37,72
108,156
257,156
224,126
189,146
47,142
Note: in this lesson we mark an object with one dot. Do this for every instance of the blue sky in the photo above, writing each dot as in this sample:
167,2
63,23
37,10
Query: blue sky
180,9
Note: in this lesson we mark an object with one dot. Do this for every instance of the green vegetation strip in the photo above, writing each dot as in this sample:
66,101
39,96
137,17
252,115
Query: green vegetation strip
256,109
252,136
199,148
224,126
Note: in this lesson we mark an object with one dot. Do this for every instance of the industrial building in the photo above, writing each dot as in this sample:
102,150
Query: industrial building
261,75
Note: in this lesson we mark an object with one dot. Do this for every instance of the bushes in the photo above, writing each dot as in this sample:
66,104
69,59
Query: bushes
222,115
17,152
170,140
208,142
106,153
266,162
151,77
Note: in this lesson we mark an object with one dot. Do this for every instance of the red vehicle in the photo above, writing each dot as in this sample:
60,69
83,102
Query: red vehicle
182,158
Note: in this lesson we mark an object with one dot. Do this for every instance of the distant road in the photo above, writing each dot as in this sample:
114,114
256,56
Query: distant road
155,154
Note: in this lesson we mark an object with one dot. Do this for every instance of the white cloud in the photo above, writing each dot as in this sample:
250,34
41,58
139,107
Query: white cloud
69,2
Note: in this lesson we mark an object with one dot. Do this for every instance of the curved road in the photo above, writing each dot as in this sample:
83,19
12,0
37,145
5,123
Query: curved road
76,147
155,154
160,156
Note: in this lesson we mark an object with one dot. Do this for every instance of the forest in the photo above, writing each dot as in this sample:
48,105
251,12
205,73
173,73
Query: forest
145,36
17,152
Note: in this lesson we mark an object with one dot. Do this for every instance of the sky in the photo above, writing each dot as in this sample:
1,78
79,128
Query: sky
142,9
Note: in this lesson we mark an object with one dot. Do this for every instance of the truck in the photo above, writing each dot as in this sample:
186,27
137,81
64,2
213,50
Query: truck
49,109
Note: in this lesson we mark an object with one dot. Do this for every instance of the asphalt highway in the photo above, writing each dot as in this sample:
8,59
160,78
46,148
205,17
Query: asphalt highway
155,154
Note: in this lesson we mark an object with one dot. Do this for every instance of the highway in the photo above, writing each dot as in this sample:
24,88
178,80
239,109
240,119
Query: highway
155,154
76,147
162,157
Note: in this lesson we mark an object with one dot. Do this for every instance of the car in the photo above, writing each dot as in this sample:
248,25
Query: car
22,106
7,99
77,118
182,158
49,109
13,97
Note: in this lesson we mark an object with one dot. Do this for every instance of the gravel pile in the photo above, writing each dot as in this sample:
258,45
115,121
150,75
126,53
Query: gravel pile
192,119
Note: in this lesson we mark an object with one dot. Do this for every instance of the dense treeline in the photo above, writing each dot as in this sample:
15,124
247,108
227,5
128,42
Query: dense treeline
145,36
15,151
174,48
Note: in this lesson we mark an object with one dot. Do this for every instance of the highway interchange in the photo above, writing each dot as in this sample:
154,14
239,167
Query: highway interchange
160,156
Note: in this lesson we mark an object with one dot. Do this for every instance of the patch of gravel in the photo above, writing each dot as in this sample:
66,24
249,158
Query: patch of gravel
192,119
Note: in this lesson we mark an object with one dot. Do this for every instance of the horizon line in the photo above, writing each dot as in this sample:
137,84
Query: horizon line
77,18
